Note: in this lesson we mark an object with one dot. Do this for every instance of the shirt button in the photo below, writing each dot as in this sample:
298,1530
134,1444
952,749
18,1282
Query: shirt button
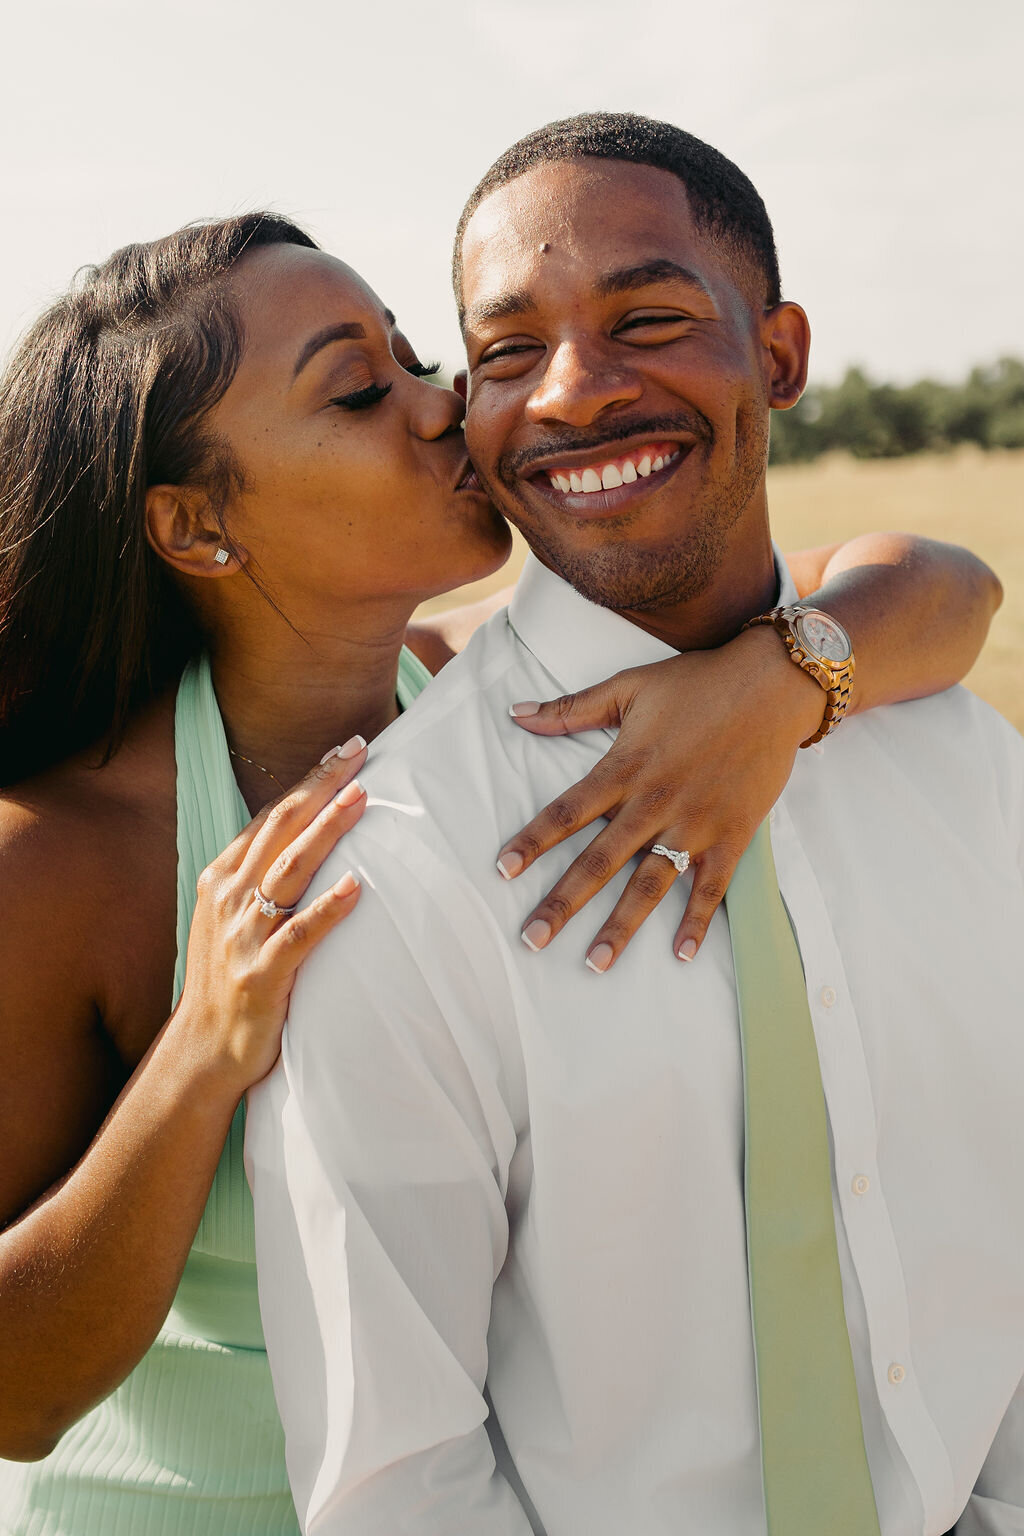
861,1184
828,996
896,1373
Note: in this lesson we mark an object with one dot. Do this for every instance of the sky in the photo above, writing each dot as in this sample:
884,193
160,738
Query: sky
884,135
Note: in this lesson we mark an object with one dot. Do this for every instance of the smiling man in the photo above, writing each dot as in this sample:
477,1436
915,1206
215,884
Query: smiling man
648,1247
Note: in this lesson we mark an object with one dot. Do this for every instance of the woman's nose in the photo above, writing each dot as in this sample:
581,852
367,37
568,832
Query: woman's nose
436,411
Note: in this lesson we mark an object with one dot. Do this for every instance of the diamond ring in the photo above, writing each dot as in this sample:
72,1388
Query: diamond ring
270,908
680,858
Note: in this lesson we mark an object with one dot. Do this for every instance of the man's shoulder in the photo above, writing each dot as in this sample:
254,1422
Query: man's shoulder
956,749
447,775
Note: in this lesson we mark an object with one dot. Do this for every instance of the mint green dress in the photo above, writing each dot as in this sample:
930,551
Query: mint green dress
191,1443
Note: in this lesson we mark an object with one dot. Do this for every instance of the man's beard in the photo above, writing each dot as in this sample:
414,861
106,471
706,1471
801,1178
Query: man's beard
624,574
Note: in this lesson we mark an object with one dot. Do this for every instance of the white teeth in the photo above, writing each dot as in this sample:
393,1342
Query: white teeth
644,467
591,480
659,463
561,483
628,472
610,478
575,483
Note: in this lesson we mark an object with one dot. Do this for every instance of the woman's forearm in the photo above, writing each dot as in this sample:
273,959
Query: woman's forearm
918,611
88,1274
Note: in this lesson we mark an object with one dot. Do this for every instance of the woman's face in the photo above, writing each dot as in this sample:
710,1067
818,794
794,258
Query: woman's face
352,462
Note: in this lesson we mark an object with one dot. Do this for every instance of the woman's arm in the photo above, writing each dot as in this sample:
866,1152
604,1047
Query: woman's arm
88,1272
707,740
918,610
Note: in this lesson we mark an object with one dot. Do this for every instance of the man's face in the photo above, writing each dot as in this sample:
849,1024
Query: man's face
621,369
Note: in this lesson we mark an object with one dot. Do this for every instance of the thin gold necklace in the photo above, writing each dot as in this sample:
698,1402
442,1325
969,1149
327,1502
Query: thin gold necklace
243,759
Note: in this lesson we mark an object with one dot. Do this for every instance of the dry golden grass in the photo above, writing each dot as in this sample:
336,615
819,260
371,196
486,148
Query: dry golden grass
969,497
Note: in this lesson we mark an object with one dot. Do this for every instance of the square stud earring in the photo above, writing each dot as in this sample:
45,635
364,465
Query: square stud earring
222,557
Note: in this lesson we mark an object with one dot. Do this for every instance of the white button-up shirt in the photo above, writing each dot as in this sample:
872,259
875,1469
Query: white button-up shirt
499,1198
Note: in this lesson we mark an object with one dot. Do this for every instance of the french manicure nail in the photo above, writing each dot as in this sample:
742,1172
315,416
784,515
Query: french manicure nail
334,752
350,794
536,934
520,711
352,747
346,885
510,864
600,958
687,949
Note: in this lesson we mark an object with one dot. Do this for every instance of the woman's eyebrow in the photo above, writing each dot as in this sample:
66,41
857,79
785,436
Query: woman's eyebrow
347,330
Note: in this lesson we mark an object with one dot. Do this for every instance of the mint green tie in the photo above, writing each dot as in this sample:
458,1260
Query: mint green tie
816,1478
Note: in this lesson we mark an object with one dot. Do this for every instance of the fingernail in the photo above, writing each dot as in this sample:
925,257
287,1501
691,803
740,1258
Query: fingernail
510,864
334,752
519,711
352,747
350,794
600,958
687,949
346,885
536,934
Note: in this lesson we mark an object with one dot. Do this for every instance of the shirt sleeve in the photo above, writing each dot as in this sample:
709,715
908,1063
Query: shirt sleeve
996,1507
378,1152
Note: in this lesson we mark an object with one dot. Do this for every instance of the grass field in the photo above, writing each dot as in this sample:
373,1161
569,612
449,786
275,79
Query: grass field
969,497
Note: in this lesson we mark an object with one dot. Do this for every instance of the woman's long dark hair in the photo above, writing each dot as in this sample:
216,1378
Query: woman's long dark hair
105,396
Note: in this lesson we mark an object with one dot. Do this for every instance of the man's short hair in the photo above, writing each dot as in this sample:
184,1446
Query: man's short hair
725,204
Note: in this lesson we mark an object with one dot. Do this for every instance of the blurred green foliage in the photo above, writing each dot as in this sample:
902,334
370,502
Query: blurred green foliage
884,421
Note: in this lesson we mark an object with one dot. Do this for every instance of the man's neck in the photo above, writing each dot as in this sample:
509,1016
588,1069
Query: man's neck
738,592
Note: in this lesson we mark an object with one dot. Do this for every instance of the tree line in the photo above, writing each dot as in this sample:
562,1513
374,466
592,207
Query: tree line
882,421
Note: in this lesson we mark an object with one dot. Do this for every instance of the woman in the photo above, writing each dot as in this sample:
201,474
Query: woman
220,446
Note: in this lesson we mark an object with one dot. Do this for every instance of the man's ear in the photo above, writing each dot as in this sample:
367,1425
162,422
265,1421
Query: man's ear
786,337
182,531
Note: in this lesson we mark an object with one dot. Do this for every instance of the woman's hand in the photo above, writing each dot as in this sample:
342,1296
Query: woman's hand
242,962
705,746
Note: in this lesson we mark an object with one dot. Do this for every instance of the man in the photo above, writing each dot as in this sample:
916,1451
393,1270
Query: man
501,1213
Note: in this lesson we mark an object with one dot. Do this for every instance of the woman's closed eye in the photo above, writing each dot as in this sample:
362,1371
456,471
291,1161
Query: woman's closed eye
372,394
359,399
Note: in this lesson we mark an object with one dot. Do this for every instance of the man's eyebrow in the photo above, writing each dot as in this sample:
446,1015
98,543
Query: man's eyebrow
515,302
646,275
348,330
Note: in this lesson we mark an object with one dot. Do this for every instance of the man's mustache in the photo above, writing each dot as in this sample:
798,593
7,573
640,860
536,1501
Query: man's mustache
511,466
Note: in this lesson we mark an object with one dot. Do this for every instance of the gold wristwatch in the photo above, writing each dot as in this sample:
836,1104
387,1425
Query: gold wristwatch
821,647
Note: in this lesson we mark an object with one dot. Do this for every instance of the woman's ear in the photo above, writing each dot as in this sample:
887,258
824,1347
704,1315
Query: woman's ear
181,530
786,336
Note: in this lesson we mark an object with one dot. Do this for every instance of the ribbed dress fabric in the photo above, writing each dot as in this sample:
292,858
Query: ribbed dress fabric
190,1444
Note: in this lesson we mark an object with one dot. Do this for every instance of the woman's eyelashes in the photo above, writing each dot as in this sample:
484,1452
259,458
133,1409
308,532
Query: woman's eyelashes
372,394
359,399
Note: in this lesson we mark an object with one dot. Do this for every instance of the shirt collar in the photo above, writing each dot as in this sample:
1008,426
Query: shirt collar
580,643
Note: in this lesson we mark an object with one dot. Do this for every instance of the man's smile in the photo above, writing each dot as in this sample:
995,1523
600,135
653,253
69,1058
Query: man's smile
602,481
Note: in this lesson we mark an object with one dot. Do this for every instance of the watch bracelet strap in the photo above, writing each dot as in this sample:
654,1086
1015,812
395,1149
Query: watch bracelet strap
837,694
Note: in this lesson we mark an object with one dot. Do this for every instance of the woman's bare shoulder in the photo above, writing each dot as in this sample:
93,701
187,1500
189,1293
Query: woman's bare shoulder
85,845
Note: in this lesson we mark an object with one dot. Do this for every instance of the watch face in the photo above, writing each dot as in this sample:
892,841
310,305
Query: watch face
823,636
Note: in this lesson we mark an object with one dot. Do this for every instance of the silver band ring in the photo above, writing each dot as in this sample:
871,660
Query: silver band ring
681,859
270,908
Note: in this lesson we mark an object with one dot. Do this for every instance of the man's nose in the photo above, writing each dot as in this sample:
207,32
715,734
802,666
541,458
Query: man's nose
579,383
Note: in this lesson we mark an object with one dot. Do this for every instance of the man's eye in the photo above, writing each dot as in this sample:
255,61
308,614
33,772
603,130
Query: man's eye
650,325
359,399
507,349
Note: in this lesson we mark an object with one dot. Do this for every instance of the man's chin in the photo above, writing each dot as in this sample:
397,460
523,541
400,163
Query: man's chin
626,575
